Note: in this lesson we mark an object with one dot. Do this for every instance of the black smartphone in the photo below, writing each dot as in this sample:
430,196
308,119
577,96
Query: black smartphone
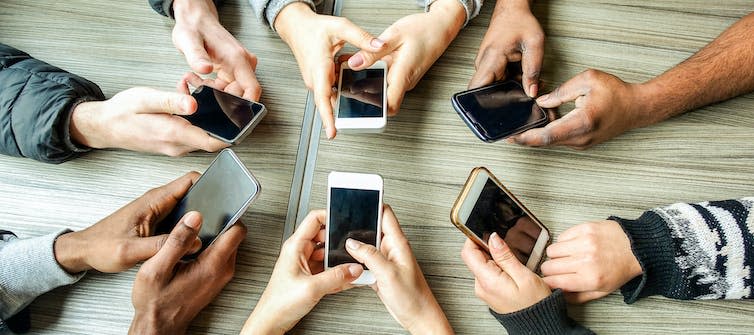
222,195
498,110
225,116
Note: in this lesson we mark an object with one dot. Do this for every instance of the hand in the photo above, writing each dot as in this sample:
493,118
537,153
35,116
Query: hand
605,107
314,40
208,47
400,283
141,119
590,260
414,43
298,281
514,35
124,238
167,293
502,282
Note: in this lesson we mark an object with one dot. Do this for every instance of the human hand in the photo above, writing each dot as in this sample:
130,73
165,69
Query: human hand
124,238
414,43
298,281
167,293
314,40
590,260
605,107
400,283
502,282
514,35
141,119
209,47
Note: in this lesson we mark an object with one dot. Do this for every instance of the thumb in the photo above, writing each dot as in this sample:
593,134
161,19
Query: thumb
179,243
337,279
368,255
154,101
146,247
568,91
504,257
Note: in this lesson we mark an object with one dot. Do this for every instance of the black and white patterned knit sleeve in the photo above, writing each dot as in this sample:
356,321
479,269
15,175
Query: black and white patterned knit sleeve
693,251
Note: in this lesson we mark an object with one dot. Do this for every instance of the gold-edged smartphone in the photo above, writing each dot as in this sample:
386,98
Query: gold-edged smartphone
486,206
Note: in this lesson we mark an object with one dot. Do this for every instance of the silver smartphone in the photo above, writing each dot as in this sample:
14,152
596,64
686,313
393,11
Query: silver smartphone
225,116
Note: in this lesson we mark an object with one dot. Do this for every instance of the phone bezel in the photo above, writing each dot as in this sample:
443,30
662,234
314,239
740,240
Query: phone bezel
246,130
477,129
359,181
362,124
468,198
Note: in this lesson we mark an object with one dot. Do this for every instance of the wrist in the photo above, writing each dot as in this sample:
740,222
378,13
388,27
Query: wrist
149,323
69,254
451,14
84,126
514,5
192,10
288,18
431,321
654,106
258,323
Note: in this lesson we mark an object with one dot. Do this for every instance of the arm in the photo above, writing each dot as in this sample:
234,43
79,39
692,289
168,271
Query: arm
472,8
165,7
36,104
267,10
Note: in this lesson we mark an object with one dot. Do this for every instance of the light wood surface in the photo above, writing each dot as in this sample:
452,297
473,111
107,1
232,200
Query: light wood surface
424,156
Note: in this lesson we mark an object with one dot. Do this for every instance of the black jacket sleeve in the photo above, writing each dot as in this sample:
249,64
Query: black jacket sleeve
165,7
547,317
36,100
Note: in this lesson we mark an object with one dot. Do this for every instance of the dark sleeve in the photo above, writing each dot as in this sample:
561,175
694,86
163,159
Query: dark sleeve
165,7
547,317
693,251
36,100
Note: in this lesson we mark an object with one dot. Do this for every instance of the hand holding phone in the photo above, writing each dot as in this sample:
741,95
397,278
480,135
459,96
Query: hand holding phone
362,102
225,116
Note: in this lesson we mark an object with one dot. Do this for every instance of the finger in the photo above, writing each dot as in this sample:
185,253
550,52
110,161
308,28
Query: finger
322,94
560,266
247,78
360,38
197,138
336,279
310,228
225,246
397,84
574,232
182,86
570,282
481,266
568,91
582,297
161,200
368,255
563,131
192,47
179,243
563,248
490,67
234,88
505,259
154,102
531,64
390,225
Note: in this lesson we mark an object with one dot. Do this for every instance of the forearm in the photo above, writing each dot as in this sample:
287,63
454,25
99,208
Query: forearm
471,8
547,317
721,70
693,251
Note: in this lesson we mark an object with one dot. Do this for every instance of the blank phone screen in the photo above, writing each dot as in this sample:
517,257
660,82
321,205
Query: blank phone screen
495,211
353,214
220,194
361,93
500,110
222,114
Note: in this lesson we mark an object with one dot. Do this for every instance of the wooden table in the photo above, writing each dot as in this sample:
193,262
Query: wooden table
424,156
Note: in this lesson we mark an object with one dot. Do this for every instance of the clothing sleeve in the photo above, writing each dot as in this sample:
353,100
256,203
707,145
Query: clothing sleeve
547,317
267,10
29,269
36,101
693,251
472,7
165,7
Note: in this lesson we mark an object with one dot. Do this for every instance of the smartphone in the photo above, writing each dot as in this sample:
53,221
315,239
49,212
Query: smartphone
354,210
498,110
225,116
486,206
362,100
222,195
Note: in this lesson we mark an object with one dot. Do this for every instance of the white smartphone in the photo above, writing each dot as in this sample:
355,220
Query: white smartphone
485,206
362,99
354,210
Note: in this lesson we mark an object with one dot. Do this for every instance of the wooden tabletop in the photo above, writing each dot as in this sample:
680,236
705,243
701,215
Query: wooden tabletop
425,156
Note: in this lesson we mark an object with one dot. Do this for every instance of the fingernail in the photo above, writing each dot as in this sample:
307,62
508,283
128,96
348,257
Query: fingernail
544,97
352,244
355,270
356,60
495,241
533,90
192,220
377,43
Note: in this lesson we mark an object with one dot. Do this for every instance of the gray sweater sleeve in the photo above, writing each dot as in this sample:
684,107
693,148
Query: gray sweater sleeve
472,7
267,10
28,270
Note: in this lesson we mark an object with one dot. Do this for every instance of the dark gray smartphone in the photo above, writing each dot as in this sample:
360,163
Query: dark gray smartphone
225,116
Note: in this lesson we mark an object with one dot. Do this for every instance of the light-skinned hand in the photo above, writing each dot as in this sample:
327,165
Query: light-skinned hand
314,40
141,119
400,283
414,43
168,293
298,281
605,107
590,261
501,281
209,47
124,238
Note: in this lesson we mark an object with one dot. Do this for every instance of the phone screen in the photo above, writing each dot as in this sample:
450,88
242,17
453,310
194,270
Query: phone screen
353,214
500,110
361,93
495,211
222,114
220,194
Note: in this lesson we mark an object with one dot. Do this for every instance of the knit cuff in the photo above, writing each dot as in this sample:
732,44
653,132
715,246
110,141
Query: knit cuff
653,247
274,7
547,317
